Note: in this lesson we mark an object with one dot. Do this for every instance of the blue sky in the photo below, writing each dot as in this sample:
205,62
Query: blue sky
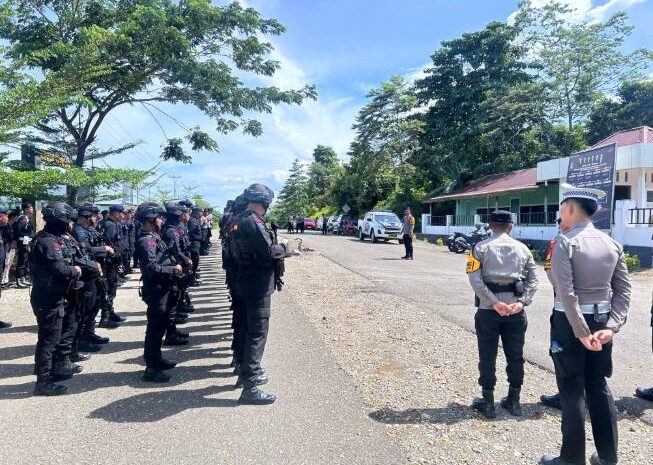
344,47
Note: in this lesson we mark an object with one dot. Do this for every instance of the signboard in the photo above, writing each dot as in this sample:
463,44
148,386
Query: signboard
595,168
345,208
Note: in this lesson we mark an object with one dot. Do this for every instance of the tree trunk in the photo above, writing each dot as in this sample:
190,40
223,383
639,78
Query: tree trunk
72,191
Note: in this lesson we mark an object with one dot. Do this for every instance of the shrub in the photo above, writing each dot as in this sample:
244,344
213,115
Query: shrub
537,256
632,261
439,241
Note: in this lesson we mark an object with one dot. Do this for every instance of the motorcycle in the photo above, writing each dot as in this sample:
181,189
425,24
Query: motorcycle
461,243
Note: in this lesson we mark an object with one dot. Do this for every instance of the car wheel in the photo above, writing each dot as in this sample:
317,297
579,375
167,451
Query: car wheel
372,237
401,242
361,236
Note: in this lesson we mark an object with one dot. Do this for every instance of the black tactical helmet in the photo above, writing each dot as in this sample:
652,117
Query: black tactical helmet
186,203
149,211
229,207
59,212
240,204
259,193
87,209
174,209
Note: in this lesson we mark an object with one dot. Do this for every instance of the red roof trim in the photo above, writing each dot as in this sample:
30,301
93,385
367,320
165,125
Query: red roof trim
638,135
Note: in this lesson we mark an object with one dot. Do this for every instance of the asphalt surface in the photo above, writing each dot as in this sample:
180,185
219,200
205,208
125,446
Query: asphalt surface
436,280
111,417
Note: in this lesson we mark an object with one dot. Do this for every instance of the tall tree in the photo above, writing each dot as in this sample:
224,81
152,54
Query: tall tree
474,83
293,198
632,107
322,174
151,52
579,59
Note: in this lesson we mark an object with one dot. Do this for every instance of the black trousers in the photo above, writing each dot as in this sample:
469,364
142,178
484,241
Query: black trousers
408,244
68,331
157,323
49,318
22,263
256,321
581,376
238,324
490,326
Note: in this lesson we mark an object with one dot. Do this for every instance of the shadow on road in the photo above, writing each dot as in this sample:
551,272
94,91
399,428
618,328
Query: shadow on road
156,406
634,406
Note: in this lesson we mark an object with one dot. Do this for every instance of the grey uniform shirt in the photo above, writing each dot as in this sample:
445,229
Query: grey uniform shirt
588,267
501,260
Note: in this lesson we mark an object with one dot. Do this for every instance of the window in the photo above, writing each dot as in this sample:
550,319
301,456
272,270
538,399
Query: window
626,176
649,196
617,176
622,193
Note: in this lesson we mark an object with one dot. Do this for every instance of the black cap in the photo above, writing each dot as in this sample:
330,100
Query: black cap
87,209
501,217
25,205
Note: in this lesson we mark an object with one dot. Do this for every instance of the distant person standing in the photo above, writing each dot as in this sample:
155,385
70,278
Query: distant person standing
325,222
8,243
291,224
23,231
407,232
300,224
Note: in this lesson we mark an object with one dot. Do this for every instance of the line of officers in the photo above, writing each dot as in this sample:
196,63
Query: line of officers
77,264
592,297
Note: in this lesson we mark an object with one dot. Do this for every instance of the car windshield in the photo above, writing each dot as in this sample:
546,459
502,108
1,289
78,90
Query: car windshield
389,218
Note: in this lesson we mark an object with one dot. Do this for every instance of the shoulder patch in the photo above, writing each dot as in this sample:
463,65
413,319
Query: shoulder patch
547,261
473,264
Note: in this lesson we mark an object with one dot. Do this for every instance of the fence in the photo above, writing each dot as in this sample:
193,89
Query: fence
538,218
641,216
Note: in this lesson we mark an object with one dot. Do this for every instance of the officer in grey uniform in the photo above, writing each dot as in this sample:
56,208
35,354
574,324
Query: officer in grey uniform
641,392
592,292
502,272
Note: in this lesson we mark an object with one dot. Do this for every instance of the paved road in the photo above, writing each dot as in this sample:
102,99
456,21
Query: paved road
111,417
436,280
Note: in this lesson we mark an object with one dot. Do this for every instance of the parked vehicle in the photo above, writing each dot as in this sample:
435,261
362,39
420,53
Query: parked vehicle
461,243
340,223
309,224
350,227
331,224
380,225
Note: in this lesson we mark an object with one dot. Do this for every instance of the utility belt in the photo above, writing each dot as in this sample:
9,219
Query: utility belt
517,288
588,309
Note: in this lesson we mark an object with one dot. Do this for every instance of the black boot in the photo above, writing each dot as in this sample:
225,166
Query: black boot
113,316
155,375
174,341
4,325
21,284
255,396
511,403
64,369
45,387
79,357
551,460
552,401
181,318
166,364
644,393
596,460
95,338
486,404
85,345
258,380
181,334
106,322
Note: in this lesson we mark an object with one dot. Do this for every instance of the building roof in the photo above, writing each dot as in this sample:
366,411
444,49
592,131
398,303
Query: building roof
493,184
640,135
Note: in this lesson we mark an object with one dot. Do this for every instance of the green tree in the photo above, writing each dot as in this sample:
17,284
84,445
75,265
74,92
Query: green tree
632,107
322,174
580,60
150,52
293,198
478,108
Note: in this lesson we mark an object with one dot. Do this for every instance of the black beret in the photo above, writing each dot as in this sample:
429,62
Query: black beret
501,216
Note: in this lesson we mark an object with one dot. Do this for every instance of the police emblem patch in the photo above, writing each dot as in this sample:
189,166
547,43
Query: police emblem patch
472,263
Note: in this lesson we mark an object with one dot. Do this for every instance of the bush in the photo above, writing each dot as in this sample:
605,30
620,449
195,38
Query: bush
439,241
632,261
537,256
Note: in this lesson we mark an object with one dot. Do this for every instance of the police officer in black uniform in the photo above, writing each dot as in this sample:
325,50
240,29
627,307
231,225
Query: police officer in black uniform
92,243
57,268
260,261
196,237
112,233
4,225
159,269
171,236
23,231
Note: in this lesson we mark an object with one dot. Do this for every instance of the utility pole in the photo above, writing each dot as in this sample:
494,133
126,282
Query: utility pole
174,184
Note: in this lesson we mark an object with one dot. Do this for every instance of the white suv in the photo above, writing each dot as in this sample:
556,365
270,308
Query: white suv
380,225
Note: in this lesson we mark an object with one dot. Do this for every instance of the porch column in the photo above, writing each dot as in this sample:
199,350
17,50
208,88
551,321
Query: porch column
546,202
641,182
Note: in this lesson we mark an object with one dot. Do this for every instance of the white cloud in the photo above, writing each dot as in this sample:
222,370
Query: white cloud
588,9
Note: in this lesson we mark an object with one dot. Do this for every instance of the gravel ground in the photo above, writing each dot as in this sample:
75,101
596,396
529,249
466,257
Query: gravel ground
417,374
